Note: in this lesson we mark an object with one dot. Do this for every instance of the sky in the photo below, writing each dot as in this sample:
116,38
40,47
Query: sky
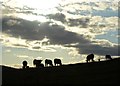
65,29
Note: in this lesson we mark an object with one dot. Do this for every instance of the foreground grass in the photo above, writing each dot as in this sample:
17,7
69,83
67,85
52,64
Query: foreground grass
97,73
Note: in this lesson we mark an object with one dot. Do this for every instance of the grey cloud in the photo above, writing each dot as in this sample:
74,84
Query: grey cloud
58,16
57,34
107,12
20,45
97,49
36,47
25,29
83,22
37,31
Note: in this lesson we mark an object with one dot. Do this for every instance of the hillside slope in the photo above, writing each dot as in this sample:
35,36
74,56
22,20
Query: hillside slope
97,73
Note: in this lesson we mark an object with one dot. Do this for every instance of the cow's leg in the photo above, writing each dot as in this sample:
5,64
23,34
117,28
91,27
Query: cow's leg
60,64
45,64
87,60
51,64
92,60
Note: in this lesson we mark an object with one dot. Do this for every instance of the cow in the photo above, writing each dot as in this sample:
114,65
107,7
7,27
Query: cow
48,62
38,63
90,57
108,57
57,62
25,64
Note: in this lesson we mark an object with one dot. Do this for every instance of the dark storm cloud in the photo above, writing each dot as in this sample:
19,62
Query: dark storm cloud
97,49
20,45
25,28
33,30
58,16
83,22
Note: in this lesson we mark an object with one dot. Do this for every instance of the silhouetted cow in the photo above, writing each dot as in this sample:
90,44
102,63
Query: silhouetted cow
108,57
48,62
99,60
57,62
38,63
90,57
24,64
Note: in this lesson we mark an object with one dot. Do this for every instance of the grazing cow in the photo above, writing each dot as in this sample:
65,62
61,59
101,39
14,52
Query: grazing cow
24,64
48,62
38,63
57,62
99,59
90,57
108,57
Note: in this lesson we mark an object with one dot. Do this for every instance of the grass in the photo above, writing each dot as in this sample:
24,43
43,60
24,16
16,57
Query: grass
94,73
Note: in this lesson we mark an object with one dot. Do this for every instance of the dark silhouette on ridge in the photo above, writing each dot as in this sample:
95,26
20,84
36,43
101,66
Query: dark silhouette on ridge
90,57
57,62
108,57
25,64
38,63
99,60
48,62
96,73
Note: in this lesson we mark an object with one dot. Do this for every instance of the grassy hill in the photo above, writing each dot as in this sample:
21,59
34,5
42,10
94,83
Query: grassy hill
94,73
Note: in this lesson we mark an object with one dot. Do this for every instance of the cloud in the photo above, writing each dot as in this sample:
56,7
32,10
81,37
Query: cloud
98,49
57,34
58,16
107,8
24,56
8,51
43,48
41,45
71,25
13,42
113,5
99,25
83,22
39,58
97,46
74,52
31,31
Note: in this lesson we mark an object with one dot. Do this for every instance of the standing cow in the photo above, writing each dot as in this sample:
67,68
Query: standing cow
48,62
90,57
25,64
38,63
108,57
57,62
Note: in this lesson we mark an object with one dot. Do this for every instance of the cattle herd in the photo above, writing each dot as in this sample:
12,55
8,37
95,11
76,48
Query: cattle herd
38,64
57,62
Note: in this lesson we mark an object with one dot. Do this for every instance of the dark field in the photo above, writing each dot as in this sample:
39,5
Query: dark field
94,73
